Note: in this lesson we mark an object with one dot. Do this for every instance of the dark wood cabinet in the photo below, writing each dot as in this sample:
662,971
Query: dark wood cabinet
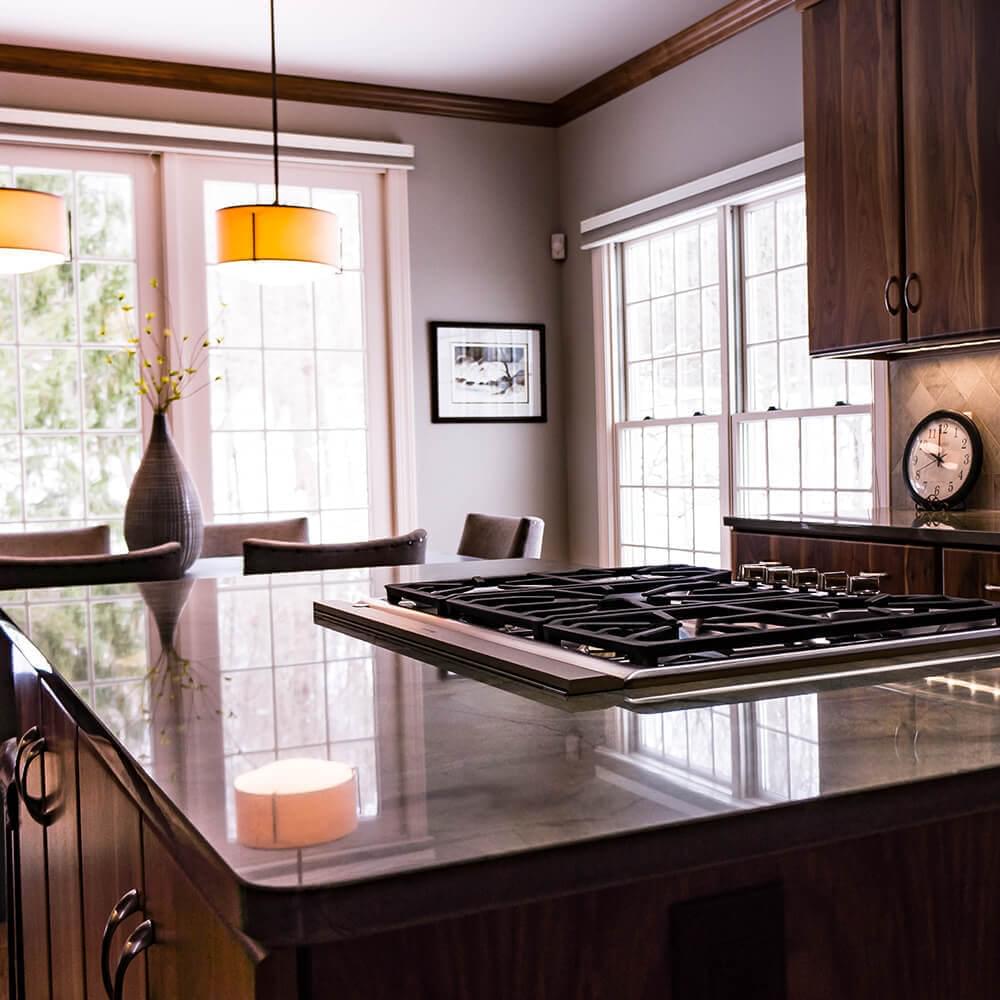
851,66
195,954
62,849
902,171
951,133
110,867
910,569
31,935
967,573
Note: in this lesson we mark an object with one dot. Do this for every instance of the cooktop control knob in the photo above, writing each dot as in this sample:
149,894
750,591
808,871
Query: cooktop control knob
804,579
755,572
863,583
834,579
778,575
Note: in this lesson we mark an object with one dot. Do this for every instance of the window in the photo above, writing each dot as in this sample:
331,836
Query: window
670,487
719,405
298,423
70,422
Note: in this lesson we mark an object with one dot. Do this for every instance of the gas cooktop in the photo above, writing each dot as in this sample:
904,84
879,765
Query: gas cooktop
592,630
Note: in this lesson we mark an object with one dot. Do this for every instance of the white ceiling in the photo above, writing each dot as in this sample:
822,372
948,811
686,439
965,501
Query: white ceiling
525,49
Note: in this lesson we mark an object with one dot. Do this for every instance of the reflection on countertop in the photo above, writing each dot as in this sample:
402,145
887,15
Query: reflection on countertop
202,680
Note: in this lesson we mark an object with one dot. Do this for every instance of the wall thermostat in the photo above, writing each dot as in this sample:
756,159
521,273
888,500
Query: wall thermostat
558,244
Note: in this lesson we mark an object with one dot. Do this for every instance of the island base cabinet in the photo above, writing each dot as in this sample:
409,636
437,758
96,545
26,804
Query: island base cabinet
195,954
111,867
870,918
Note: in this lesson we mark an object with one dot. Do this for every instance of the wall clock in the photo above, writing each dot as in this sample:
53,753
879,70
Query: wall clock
943,459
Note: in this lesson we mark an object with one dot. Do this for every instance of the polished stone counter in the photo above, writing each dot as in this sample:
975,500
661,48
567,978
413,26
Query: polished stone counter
964,528
201,680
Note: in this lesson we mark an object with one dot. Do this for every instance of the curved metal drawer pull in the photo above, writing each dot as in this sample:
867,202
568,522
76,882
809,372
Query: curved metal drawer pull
889,307
26,756
907,285
138,941
130,903
22,745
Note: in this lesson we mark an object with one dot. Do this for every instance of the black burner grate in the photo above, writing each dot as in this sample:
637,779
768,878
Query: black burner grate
652,615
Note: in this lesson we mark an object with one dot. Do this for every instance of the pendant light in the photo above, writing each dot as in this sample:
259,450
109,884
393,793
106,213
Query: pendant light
33,230
277,244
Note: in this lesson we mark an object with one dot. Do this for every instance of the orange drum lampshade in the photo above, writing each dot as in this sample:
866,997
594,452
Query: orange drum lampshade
278,244
33,230
297,802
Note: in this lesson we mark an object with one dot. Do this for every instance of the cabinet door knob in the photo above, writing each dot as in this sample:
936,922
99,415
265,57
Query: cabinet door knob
889,307
908,301
138,941
130,903
27,754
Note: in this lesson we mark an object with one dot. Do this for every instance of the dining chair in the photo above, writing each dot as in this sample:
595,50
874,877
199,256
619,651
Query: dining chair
228,539
264,556
162,562
493,536
93,541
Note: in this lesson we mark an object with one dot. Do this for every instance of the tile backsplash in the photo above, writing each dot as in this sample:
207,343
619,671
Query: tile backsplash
966,382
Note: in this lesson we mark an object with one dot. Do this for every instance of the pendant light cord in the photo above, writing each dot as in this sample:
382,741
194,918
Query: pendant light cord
274,102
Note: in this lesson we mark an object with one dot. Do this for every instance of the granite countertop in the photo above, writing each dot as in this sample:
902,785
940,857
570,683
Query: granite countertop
965,527
203,679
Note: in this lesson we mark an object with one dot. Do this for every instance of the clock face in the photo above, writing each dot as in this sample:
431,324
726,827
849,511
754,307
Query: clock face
943,459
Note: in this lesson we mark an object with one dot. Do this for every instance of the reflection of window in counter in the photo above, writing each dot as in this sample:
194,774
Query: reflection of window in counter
787,745
291,689
96,638
757,752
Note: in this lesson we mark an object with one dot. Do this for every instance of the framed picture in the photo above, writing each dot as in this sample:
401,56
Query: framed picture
487,372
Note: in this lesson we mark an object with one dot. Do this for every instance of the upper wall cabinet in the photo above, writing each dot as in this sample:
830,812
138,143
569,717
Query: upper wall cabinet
902,139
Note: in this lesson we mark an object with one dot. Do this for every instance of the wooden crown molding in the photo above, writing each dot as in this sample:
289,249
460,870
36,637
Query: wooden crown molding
699,37
252,83
717,27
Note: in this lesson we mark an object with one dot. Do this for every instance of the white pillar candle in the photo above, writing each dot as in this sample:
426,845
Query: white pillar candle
296,803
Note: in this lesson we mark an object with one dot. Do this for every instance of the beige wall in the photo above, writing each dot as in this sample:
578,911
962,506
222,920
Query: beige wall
739,100
483,202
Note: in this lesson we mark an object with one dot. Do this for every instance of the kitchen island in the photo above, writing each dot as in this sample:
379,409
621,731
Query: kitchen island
824,840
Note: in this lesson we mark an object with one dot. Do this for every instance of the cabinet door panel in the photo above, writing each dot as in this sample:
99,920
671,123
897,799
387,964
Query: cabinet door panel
967,573
62,849
195,954
911,569
854,211
34,908
951,91
111,858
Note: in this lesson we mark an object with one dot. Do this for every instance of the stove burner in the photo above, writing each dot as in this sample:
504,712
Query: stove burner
676,614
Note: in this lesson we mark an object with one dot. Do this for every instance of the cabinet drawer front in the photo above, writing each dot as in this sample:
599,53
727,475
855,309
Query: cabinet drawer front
910,569
853,182
967,573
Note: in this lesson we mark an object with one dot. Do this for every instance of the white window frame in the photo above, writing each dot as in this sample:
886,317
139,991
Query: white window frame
606,275
390,162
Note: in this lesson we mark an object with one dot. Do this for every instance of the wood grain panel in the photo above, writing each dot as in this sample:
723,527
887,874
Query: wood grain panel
111,864
34,930
951,55
910,913
717,27
853,182
250,83
967,572
912,569
196,954
62,850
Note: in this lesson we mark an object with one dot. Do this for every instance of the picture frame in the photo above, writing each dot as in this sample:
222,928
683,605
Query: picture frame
488,373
